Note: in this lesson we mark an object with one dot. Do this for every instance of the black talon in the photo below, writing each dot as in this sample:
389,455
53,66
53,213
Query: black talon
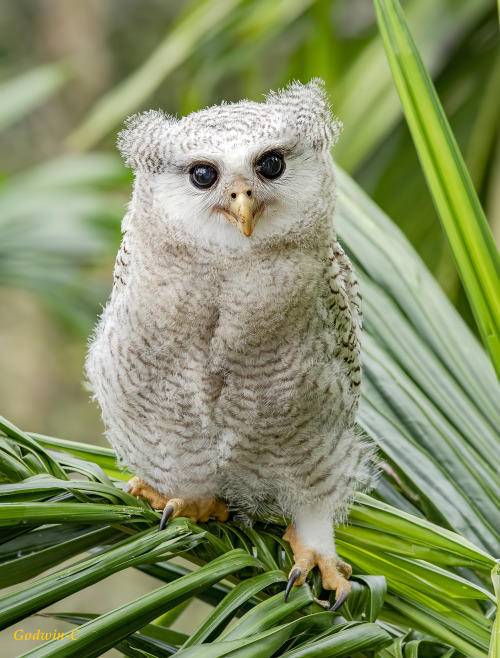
342,599
293,577
167,513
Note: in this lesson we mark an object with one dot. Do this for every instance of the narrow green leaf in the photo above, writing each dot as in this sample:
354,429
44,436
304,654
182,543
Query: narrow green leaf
105,631
168,572
31,445
394,650
268,613
377,587
92,471
26,514
431,469
384,321
375,514
232,602
411,649
12,467
495,633
456,201
376,540
104,457
34,563
259,542
262,645
39,539
36,489
422,452
364,94
362,637
171,616
423,577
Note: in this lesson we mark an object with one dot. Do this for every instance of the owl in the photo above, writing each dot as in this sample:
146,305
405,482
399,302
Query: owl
227,361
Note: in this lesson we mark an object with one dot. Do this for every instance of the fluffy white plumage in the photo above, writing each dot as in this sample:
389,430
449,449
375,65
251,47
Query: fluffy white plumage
225,365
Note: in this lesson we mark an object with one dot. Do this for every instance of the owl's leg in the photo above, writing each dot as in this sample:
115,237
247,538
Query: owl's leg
312,542
196,509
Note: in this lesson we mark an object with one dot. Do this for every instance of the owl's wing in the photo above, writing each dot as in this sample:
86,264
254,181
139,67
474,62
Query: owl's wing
121,264
345,306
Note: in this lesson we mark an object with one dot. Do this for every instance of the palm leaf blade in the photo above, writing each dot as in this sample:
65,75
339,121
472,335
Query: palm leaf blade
461,214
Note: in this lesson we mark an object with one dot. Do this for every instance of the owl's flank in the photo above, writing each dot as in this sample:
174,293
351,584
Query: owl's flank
227,361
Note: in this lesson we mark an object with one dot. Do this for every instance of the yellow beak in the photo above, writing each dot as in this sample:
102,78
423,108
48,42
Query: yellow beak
242,213
242,208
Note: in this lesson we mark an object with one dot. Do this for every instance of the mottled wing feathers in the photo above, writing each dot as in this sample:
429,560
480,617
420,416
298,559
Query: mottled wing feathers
121,264
345,306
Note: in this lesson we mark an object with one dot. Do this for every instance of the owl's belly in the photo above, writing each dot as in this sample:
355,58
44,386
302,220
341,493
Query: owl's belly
267,387
202,385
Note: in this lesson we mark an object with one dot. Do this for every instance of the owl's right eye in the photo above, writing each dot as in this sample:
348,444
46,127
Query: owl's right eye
203,176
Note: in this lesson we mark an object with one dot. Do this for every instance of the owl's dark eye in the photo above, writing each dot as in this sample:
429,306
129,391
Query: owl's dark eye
271,165
203,176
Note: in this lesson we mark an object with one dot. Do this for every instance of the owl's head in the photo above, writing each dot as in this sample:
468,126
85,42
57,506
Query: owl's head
240,173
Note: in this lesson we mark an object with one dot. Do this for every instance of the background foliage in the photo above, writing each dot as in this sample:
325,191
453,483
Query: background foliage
430,398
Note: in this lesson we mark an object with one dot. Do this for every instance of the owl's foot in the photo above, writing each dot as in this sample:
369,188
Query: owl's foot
136,486
334,572
196,509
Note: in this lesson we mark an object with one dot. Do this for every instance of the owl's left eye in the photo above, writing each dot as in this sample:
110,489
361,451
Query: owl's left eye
271,165
203,176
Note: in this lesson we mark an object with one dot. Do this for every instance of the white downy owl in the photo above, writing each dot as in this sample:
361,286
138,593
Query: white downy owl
227,361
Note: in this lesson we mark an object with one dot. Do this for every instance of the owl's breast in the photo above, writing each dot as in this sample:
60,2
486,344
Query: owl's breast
271,348
246,346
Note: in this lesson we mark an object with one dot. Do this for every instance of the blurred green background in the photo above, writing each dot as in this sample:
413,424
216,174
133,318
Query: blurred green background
71,72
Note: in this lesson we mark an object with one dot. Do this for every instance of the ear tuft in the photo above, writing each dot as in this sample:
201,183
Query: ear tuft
142,143
309,110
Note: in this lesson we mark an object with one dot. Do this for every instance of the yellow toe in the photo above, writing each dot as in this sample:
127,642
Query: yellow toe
334,572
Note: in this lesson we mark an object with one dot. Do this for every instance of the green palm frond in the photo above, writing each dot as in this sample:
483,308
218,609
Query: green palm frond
410,574
424,545
458,206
